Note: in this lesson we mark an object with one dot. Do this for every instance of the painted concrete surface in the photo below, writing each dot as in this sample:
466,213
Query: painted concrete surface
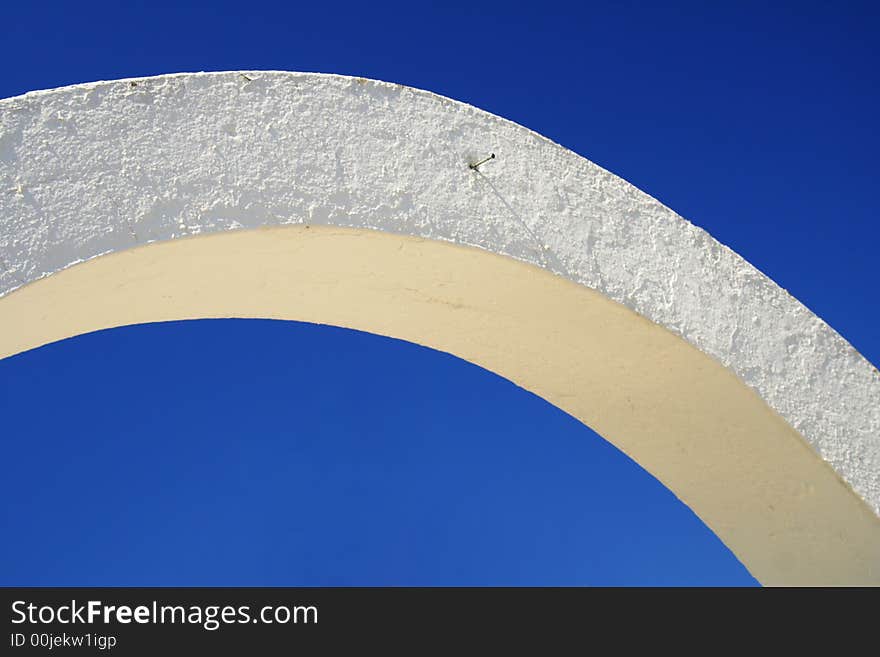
684,417
98,168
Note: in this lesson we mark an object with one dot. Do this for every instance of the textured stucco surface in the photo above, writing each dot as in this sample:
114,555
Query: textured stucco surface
97,168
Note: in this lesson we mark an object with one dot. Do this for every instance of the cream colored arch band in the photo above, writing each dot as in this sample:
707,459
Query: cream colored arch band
708,437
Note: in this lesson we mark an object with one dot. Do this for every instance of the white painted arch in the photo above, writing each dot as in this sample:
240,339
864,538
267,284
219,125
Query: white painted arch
540,266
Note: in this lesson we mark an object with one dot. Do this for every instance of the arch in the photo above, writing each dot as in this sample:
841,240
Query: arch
540,266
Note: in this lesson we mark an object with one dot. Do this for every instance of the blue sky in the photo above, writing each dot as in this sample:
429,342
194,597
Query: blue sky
140,456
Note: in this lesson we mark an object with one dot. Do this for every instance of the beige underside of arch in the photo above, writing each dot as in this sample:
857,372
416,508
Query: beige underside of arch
686,419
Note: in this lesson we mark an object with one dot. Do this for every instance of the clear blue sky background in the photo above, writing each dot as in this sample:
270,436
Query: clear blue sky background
319,456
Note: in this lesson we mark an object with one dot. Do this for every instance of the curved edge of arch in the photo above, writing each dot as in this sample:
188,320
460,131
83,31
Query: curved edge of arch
782,510
99,167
